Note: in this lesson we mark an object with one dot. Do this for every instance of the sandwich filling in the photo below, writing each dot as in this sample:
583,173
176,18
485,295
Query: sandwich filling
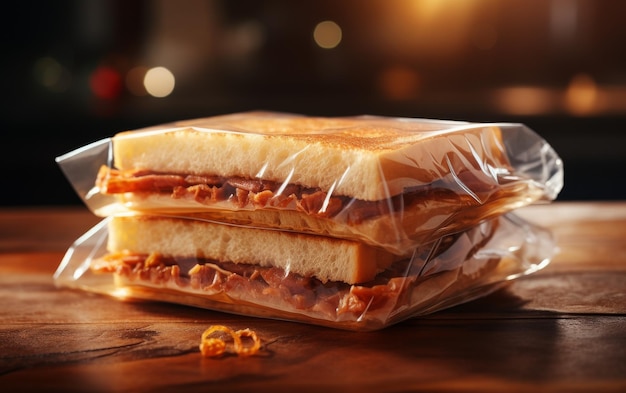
256,284
246,193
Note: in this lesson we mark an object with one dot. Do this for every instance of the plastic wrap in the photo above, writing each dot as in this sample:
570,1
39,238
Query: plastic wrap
391,182
451,270
423,206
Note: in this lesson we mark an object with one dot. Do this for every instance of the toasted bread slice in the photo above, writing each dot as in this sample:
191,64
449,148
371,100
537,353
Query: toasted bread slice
365,157
327,259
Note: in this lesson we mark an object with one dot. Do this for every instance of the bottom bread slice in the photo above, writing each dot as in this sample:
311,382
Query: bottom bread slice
184,238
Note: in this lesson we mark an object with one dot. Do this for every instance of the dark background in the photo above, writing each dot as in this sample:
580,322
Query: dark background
559,66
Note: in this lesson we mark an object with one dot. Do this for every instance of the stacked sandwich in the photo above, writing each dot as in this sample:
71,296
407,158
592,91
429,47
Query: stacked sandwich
353,222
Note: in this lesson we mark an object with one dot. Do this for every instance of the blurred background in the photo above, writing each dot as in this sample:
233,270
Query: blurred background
78,71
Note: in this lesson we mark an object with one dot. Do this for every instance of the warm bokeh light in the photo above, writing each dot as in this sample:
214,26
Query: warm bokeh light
432,9
399,83
582,95
135,81
159,82
437,27
524,100
327,34
105,83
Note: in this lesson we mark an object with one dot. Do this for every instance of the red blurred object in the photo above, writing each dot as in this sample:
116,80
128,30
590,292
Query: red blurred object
106,83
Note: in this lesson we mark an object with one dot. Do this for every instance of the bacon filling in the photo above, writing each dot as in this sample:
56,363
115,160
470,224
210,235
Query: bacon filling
254,193
260,284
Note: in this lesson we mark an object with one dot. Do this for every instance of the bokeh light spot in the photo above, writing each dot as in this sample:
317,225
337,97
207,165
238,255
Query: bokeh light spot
105,83
524,100
582,95
51,74
159,82
327,34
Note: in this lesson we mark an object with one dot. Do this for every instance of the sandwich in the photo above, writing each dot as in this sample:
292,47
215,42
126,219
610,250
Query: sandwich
284,275
349,222
388,182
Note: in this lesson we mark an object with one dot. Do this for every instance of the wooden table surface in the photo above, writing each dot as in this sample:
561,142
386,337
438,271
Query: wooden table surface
561,329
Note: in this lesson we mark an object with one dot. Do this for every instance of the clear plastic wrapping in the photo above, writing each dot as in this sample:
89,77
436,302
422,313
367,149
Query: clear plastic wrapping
421,211
451,270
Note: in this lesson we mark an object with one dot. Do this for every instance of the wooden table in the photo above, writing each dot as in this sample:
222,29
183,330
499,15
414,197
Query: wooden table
561,329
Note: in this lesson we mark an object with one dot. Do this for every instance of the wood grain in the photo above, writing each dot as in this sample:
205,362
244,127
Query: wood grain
561,329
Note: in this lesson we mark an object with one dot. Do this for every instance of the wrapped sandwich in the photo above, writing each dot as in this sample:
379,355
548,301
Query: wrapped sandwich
354,222
394,183
324,281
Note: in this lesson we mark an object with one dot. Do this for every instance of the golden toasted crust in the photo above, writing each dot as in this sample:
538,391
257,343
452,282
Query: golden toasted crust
368,158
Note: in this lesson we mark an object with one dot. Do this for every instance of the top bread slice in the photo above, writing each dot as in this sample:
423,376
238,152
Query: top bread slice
364,157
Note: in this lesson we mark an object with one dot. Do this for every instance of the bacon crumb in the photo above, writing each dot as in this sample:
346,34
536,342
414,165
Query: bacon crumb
262,198
216,339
